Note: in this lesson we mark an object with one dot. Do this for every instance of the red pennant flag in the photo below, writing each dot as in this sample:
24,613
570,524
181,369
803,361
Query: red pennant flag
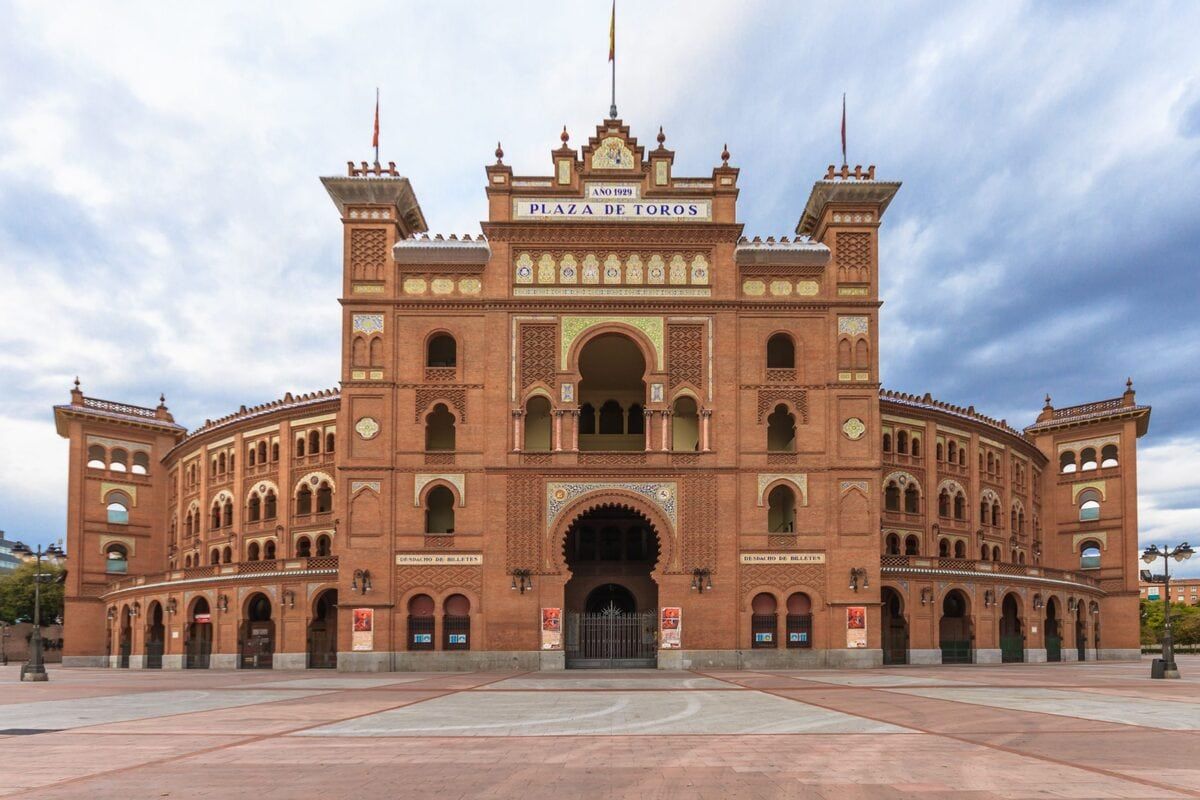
375,138
612,34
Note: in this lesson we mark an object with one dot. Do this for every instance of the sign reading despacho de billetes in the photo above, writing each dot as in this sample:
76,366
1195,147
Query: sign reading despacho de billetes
631,210
783,558
437,559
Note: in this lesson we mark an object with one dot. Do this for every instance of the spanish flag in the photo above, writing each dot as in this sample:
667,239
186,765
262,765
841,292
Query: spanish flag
612,34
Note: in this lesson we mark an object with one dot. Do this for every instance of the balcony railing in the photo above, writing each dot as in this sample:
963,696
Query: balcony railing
983,568
242,568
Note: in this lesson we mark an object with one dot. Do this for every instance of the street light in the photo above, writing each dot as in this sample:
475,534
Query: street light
35,668
1180,554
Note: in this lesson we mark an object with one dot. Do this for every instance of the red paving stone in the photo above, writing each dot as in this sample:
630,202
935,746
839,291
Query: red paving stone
948,749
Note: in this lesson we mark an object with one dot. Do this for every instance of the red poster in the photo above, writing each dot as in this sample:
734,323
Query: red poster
551,628
671,628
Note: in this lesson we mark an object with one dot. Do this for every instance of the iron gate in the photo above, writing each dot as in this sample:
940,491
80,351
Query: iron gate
612,639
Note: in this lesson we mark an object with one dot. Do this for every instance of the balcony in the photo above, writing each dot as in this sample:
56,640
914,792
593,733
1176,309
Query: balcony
247,570
955,567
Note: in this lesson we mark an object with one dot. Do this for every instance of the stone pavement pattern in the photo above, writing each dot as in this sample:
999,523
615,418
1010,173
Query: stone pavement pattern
1015,731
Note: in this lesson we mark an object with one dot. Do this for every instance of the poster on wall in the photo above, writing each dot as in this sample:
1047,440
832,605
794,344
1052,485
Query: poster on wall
672,628
856,626
363,636
551,628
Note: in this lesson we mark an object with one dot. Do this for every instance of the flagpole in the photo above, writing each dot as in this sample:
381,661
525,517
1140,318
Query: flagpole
612,57
377,126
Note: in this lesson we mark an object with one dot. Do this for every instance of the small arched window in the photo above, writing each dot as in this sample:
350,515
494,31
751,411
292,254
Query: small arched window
1088,457
952,450
141,463
781,510
214,557
915,446
116,558
685,425
269,505
118,460
1089,505
996,553
324,545
250,455
912,499
995,515
962,456
227,514
984,552
892,545
1108,456
304,500
252,552
902,443
324,498
96,457
440,429
221,464
635,419
269,550
262,452
300,446
887,442
943,548
117,508
330,441
781,352
983,512
227,554
1089,555
439,510
442,351
587,419
941,453
960,549
1066,461
254,508
912,546
781,430
612,418
537,425
960,506
891,497
274,451
303,547
991,463
314,442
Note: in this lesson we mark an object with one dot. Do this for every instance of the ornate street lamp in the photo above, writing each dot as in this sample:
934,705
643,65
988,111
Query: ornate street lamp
701,580
1183,552
522,580
362,578
35,668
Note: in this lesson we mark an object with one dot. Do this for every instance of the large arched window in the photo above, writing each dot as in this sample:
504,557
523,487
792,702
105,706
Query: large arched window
420,622
1089,555
262,453
781,430
439,429
117,508
1089,505
116,558
781,352
330,440
685,425
537,425
944,548
636,419
269,550
984,552
995,514
612,382
952,452
781,510
442,351
887,442
799,620
439,510
227,554
214,557
915,447
456,623
300,446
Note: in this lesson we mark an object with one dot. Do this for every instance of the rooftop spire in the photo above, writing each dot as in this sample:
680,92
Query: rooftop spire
612,58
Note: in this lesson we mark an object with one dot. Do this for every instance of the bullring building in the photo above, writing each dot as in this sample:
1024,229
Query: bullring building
610,430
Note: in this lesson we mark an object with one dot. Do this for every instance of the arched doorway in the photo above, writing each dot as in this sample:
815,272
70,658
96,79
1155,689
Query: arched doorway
612,394
258,634
155,636
322,632
611,599
198,647
1080,632
1053,631
1012,633
955,634
125,645
894,627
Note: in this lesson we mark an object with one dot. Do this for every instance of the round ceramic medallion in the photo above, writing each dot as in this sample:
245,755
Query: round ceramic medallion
854,428
367,427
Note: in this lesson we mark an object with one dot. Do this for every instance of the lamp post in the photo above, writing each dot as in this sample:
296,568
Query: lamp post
35,668
1180,554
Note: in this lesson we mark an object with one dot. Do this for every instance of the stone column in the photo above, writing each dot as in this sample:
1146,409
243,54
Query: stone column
666,428
558,415
574,412
705,417
647,428
518,439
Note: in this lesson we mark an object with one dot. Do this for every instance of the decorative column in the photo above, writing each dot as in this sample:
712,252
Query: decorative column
666,428
574,412
558,415
647,428
518,439
705,419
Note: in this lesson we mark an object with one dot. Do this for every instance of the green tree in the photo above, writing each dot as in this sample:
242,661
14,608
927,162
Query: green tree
16,593
1185,622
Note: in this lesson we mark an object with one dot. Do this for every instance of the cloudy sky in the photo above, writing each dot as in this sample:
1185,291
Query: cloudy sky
162,227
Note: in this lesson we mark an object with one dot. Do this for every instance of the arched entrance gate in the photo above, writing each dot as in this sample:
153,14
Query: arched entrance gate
611,600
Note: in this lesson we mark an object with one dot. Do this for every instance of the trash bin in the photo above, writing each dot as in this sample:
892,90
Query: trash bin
1158,668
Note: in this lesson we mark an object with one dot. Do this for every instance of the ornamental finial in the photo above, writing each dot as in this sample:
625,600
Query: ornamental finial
725,156
499,154
662,137
564,135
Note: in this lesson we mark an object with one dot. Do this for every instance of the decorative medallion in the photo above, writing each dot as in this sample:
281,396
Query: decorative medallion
656,393
807,288
854,428
414,286
852,326
567,393
612,153
524,268
367,427
368,323
469,286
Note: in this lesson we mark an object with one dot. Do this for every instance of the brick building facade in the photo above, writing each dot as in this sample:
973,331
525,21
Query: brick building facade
609,431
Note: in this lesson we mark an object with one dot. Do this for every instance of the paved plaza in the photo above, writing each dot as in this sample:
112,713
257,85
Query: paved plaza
1055,731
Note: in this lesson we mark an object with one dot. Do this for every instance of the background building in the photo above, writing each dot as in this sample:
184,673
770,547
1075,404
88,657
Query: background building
609,431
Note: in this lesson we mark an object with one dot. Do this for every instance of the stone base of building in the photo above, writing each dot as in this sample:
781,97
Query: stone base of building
925,657
1035,655
769,659
83,661
223,661
1120,654
173,661
1070,654
446,661
289,661
988,655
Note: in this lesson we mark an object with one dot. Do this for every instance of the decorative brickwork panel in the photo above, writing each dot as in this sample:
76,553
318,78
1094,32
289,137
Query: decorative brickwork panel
427,398
524,520
769,398
440,374
538,343
368,253
699,526
685,354
439,542
782,577
612,459
439,578
853,257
